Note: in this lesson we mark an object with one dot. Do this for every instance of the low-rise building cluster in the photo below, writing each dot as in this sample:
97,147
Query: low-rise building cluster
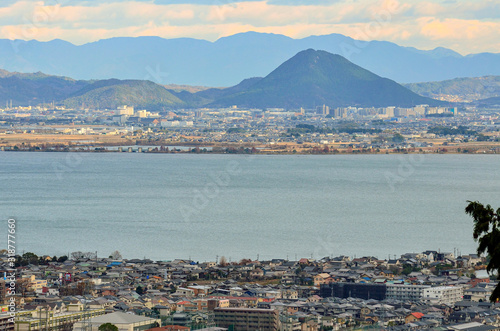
428,290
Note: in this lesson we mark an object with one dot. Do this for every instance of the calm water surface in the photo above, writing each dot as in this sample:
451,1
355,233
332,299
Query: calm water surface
165,206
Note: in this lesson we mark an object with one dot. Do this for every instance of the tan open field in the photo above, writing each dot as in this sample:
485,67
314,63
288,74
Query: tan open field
49,140
58,139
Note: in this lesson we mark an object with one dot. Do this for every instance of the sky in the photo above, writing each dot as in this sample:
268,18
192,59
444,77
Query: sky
466,26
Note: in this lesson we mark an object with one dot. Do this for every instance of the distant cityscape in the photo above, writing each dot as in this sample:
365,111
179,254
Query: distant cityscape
321,130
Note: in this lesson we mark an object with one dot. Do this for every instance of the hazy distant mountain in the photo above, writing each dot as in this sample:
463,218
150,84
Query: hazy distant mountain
189,88
113,93
217,93
313,78
4,73
35,88
495,101
229,60
207,96
468,88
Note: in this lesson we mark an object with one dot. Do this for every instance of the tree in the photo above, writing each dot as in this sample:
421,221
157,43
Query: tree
76,255
84,287
398,138
30,258
139,290
115,255
83,256
108,327
62,259
90,255
223,261
482,137
487,234
22,286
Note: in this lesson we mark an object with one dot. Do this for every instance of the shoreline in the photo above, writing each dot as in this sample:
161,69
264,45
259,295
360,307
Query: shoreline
265,152
275,145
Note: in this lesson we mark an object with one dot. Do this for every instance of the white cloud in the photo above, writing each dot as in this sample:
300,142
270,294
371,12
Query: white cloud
465,26
458,30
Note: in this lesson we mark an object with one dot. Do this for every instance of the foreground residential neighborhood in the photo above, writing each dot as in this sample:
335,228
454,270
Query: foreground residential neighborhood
428,290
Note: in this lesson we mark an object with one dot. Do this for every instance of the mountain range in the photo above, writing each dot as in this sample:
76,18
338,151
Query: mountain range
308,79
470,88
229,60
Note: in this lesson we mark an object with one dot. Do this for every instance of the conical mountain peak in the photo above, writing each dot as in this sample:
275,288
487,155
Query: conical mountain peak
316,77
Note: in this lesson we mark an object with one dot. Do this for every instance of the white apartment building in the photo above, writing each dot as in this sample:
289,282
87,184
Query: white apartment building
404,292
181,124
125,110
443,294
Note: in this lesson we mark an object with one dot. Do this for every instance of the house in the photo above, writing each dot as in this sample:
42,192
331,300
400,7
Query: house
322,278
413,317
257,273
184,292
199,290
290,294
478,293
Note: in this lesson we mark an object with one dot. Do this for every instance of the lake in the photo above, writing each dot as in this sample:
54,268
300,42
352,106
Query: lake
166,206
